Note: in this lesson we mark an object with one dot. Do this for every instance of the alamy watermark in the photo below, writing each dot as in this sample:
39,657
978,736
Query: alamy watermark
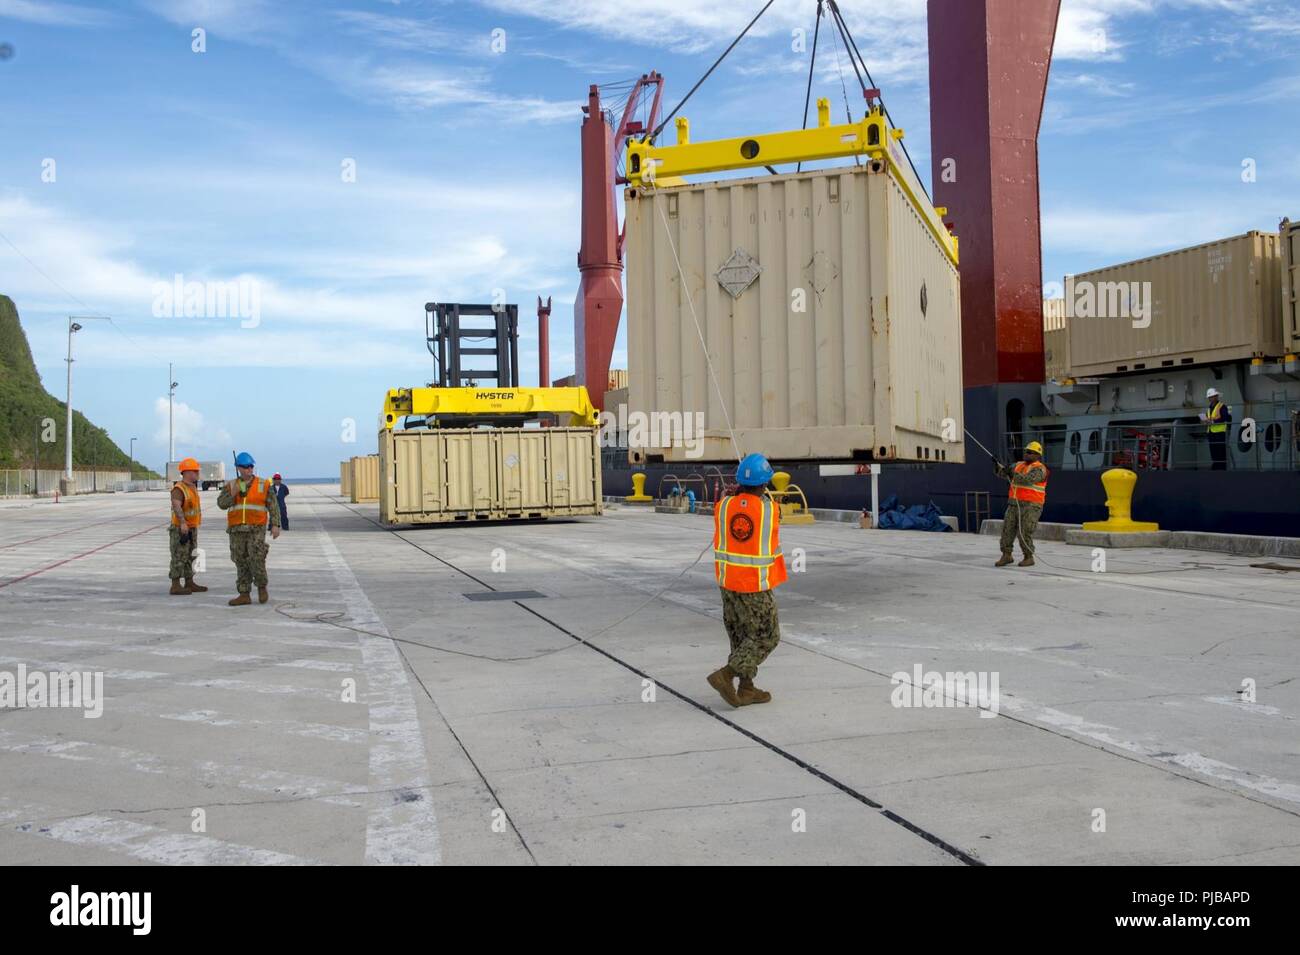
653,429
36,689
241,299
933,689
129,909
1085,298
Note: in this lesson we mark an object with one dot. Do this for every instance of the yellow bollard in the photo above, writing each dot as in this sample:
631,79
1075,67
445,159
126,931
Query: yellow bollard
792,511
638,495
1119,484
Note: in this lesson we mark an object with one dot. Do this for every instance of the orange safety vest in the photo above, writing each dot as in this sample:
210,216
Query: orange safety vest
1029,493
190,507
251,508
746,544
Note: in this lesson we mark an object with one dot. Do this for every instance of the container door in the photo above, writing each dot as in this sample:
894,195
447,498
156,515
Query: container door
458,470
533,462
483,468
510,470
429,491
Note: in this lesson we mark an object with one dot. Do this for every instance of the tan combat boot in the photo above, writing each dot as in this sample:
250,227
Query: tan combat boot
748,693
194,587
1027,562
177,590
1005,559
242,600
720,680
262,595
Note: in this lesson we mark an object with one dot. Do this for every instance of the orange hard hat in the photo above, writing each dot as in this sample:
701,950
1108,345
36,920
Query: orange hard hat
189,464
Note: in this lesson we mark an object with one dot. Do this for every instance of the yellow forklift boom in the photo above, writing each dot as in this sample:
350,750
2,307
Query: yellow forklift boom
448,404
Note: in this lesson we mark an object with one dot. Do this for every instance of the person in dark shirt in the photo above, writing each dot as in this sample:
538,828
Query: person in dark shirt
1218,422
281,492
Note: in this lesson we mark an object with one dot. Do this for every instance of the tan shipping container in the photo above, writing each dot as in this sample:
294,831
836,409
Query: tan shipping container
837,334
617,379
365,479
1056,339
345,478
442,475
1217,302
1290,242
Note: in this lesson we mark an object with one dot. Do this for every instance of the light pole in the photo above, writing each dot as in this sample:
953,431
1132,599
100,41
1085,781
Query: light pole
171,400
131,476
73,327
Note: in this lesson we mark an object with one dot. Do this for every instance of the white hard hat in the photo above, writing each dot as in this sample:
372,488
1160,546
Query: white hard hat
1211,392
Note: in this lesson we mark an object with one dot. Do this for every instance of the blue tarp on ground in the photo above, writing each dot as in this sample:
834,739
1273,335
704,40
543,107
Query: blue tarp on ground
918,517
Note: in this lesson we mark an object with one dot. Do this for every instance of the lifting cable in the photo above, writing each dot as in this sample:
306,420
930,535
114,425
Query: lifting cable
844,90
698,83
851,47
1196,565
812,62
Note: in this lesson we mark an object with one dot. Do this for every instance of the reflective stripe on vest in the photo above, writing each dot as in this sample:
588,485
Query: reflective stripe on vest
1217,426
252,507
190,507
747,558
1029,493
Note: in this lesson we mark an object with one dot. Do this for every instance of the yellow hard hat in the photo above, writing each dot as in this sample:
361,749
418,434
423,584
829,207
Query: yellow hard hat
1035,447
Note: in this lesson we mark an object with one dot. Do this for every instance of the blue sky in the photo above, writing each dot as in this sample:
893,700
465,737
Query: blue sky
228,163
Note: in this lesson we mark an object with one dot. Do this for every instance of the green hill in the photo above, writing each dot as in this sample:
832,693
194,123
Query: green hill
24,404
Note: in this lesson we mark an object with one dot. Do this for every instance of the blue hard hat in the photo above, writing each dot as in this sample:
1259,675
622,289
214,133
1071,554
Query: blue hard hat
754,471
244,460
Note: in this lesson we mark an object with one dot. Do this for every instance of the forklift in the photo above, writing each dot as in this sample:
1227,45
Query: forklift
473,445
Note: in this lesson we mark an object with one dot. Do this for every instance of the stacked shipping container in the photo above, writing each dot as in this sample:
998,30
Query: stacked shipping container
1216,302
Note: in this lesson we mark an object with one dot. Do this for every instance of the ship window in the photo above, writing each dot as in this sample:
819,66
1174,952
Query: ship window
1075,441
1094,441
1272,437
1244,446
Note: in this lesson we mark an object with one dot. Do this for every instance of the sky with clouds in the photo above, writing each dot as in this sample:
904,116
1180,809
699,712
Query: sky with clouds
130,159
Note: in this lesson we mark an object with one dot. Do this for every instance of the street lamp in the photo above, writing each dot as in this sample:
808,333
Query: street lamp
171,401
131,477
73,327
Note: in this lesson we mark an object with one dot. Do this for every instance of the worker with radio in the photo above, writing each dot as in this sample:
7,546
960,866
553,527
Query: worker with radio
1025,500
251,506
183,535
748,564
281,492
1218,419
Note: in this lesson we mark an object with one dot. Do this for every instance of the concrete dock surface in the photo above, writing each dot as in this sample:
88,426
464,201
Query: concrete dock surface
535,693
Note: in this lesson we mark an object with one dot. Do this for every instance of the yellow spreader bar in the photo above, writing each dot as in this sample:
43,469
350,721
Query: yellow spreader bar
489,402
650,166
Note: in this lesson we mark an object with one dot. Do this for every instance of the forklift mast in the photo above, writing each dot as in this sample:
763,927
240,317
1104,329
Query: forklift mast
445,336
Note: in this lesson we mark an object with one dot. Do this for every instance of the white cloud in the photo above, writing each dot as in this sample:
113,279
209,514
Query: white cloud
52,14
405,33
254,21
1135,233
194,436
689,26
325,303
417,86
1092,30
1095,84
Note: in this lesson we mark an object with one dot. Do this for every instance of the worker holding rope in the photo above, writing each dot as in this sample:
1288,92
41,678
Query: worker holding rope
1025,500
748,563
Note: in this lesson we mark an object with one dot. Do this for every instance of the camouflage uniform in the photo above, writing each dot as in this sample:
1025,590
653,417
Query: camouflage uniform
248,546
182,563
752,628
1021,518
